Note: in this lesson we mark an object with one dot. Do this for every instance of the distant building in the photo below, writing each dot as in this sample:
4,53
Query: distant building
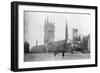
76,41
75,34
49,32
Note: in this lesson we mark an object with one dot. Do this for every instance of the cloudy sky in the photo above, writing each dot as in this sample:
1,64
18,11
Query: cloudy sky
34,25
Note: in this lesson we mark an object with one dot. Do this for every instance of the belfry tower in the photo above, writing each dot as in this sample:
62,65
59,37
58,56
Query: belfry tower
49,31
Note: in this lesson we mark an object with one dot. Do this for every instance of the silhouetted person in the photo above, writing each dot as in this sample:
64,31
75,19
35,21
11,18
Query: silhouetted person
54,53
63,54
64,49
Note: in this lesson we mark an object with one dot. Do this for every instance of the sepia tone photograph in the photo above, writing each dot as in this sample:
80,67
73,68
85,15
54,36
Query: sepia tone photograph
50,36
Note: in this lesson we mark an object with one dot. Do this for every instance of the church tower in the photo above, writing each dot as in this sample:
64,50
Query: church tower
49,29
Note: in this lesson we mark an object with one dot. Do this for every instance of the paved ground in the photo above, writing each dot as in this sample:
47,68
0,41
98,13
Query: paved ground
50,56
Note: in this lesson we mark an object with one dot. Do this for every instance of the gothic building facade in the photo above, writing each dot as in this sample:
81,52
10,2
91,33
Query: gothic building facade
49,31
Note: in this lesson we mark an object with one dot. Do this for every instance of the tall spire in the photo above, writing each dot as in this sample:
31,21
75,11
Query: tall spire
66,31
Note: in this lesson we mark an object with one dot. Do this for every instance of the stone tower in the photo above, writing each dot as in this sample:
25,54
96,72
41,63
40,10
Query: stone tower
49,31
75,34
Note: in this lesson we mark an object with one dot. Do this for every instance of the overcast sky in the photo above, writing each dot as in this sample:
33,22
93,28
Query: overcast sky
34,25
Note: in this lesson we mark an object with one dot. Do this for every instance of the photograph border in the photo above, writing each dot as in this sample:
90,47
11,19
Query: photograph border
14,35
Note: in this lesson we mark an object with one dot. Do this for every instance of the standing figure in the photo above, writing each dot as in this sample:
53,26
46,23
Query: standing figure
55,52
63,54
